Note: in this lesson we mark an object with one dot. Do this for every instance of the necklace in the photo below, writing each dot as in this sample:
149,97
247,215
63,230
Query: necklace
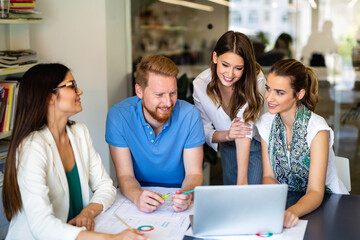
288,146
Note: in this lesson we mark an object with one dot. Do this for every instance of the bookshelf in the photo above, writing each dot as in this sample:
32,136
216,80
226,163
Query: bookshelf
14,35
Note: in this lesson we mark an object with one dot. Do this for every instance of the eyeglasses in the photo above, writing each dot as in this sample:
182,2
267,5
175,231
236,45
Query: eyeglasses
71,84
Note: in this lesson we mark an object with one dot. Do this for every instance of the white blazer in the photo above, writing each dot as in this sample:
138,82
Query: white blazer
44,187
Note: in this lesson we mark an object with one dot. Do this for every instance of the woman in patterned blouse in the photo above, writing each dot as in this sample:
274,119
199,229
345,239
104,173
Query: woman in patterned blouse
296,142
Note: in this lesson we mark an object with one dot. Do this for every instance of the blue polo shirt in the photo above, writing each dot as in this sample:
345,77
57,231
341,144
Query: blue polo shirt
157,161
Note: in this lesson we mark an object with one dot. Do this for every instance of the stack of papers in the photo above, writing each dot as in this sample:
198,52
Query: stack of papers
164,223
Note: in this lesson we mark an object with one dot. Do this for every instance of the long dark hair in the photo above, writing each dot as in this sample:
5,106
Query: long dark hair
35,89
301,77
246,87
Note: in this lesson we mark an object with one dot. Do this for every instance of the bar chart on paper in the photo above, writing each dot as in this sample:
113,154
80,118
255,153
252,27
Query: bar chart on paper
164,223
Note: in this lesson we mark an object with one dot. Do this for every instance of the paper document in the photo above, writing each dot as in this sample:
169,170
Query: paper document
163,223
294,233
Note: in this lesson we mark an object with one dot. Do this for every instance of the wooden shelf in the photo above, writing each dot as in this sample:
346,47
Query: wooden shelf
20,21
5,134
20,69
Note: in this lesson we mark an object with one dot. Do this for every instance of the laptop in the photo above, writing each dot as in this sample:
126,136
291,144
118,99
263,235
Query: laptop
236,210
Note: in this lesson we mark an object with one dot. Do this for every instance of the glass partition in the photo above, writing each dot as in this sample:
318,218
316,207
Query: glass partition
324,34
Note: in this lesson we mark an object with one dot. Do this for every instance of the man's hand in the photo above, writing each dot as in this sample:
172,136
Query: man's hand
181,202
149,201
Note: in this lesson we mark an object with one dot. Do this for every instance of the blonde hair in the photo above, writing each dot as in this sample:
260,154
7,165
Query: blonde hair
157,64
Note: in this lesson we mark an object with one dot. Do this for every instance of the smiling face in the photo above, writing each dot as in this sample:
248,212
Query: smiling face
229,68
280,96
158,98
67,100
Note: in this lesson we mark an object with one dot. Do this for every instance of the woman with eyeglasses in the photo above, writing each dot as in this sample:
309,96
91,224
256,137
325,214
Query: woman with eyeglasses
51,163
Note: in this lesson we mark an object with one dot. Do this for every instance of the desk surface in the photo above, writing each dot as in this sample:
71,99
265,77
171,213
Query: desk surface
338,217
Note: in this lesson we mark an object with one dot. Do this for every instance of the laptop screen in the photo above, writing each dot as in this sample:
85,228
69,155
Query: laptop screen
235,210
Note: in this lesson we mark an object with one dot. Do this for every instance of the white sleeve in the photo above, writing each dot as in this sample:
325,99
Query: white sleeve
264,126
261,81
37,207
209,129
316,124
99,180
240,115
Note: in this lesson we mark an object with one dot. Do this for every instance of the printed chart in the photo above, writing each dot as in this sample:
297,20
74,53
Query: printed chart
164,223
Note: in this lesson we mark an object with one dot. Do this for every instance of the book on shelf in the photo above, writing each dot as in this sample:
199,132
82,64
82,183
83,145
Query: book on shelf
3,117
21,8
23,4
21,54
28,14
7,63
4,146
11,59
11,92
3,102
9,107
1,178
3,69
14,67
16,93
4,65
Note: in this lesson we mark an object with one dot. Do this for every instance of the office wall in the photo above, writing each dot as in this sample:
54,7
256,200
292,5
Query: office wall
118,54
76,34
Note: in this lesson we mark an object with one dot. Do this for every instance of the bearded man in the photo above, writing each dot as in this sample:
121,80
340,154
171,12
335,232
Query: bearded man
156,139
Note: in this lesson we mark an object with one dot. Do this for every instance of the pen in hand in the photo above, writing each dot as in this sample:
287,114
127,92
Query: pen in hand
188,192
127,225
167,195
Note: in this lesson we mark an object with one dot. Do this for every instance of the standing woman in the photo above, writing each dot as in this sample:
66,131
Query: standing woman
296,142
228,98
52,163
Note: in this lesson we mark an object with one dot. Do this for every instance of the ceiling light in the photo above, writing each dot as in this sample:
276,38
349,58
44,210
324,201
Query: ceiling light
313,4
190,5
352,3
221,2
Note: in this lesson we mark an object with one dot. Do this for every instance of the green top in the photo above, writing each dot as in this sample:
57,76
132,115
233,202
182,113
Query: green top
75,197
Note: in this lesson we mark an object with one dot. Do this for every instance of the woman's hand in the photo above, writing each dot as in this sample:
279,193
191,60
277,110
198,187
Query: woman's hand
128,234
84,219
133,234
290,219
238,130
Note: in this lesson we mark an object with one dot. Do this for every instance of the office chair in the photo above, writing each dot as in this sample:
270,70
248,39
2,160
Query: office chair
343,170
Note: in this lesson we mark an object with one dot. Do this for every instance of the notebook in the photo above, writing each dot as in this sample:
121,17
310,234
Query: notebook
236,210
